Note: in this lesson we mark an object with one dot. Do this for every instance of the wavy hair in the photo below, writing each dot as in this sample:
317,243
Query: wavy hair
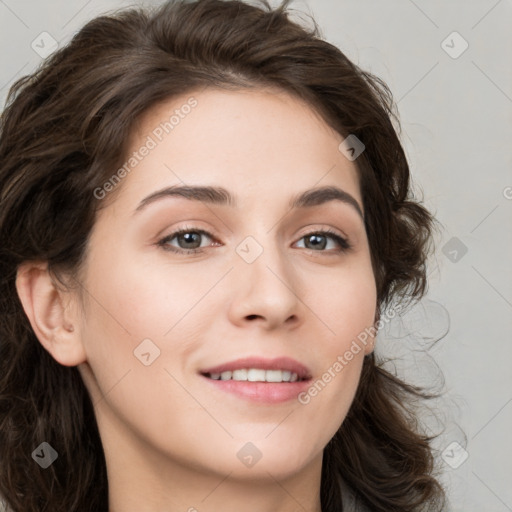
63,131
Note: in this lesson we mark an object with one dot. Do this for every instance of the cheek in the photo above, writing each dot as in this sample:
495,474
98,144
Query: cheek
128,314
136,300
346,307
345,302
135,308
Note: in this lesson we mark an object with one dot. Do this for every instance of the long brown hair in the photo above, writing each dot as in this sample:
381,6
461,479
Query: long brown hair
63,133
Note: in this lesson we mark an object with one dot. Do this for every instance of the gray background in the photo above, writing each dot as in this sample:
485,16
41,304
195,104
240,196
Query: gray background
456,113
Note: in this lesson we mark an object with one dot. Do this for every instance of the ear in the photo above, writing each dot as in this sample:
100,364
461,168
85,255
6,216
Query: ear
370,346
48,309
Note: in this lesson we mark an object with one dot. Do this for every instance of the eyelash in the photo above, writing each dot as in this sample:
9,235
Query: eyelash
342,242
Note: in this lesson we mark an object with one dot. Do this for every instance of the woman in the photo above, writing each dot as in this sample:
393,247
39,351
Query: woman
205,218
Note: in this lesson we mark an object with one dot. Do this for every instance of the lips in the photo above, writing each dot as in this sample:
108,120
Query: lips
279,363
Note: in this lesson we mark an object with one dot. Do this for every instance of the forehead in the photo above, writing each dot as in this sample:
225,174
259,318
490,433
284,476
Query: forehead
239,120
265,101
251,140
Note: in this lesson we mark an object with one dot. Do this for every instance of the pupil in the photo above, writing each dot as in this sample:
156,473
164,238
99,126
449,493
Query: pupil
189,237
313,237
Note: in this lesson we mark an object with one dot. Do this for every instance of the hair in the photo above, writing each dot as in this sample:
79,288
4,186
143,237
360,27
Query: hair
63,131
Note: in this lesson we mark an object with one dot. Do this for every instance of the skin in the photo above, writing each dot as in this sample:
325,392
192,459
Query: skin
170,439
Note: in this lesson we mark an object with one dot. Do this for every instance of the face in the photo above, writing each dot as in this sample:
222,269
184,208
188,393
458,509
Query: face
251,278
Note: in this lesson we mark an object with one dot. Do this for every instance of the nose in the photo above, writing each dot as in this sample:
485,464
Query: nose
266,291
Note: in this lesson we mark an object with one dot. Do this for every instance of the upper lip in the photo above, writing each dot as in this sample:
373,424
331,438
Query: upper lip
278,363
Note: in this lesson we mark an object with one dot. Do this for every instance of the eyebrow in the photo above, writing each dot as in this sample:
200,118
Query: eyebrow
221,196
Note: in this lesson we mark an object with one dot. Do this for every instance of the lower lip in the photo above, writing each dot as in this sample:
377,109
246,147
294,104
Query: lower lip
263,392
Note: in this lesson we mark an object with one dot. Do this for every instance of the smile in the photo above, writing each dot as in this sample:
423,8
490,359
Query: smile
256,375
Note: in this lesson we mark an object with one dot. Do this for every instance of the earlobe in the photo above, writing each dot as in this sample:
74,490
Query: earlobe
52,321
370,346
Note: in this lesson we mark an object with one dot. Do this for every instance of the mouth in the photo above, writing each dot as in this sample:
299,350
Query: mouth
255,375
260,380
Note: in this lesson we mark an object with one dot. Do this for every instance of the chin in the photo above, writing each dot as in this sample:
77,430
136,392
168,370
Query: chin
262,459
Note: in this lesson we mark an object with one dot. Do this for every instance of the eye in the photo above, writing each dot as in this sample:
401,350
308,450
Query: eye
189,237
318,239
189,241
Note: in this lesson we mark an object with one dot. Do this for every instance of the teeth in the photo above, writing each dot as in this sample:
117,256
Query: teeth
256,375
240,375
286,375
